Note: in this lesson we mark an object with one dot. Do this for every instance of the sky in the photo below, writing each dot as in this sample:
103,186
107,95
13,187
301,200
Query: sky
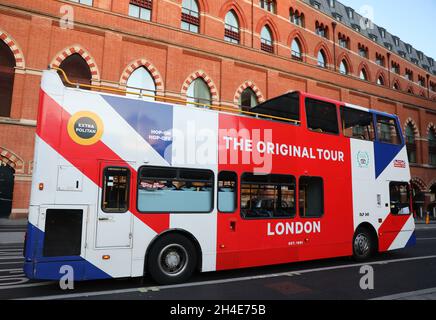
413,21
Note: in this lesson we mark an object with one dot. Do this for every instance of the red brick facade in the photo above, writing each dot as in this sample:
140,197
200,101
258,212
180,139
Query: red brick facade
114,45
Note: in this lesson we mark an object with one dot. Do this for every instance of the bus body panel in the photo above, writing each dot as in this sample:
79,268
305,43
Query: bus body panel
257,243
133,134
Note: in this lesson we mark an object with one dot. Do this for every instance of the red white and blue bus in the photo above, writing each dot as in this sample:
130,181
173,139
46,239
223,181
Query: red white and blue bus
124,187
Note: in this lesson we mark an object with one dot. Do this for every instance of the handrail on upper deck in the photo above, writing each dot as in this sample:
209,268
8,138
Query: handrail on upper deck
167,99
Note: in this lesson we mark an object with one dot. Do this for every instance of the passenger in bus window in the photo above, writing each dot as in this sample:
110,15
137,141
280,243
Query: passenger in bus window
400,198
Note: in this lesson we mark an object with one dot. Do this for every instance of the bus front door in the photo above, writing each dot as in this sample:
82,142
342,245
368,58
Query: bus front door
114,221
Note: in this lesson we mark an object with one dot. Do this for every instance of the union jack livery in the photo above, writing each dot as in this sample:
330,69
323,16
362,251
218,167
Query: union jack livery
124,187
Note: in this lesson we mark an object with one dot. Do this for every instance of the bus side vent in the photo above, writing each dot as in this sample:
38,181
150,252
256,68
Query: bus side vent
63,233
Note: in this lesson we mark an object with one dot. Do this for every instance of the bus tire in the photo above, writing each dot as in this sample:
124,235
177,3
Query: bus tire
363,244
172,259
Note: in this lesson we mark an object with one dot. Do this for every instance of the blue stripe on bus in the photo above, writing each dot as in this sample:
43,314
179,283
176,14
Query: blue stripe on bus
384,153
152,121
38,267
412,241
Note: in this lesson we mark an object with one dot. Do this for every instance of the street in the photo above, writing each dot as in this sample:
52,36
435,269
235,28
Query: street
404,274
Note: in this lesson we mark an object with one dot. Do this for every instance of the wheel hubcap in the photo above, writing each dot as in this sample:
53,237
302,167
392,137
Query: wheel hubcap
173,260
361,244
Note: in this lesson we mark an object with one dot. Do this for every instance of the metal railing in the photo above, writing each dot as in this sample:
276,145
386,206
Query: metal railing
175,100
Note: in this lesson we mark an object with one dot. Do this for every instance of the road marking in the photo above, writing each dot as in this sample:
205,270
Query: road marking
17,271
11,270
145,290
12,281
22,275
223,281
407,294
18,286
19,263
12,258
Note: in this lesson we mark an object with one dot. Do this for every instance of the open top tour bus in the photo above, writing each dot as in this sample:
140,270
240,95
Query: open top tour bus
124,187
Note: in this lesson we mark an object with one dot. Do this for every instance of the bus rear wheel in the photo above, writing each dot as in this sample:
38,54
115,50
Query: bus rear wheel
363,245
172,259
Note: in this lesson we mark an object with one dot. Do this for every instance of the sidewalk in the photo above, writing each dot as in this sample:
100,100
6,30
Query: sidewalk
426,294
423,222
10,222
11,238
12,231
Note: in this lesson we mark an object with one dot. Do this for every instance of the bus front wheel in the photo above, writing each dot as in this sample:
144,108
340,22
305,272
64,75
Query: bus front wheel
172,259
363,244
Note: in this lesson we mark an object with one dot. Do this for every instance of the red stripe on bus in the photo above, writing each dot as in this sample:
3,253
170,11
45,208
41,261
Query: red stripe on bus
55,119
390,229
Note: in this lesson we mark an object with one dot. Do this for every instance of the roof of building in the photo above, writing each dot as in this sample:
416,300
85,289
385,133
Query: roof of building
370,30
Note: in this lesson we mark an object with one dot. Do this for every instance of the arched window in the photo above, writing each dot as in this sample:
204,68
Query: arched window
296,17
396,86
141,81
432,147
410,143
247,100
268,5
363,75
380,81
395,67
322,59
77,70
300,20
321,30
7,75
231,30
190,16
266,40
199,92
363,51
380,59
296,49
343,41
343,67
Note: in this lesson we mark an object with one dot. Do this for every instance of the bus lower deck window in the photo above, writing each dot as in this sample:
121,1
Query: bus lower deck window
173,190
267,196
227,190
116,190
400,197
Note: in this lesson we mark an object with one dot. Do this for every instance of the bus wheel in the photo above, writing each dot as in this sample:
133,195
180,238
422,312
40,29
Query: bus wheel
172,259
363,245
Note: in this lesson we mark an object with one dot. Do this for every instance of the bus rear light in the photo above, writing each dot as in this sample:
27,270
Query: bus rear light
41,187
106,257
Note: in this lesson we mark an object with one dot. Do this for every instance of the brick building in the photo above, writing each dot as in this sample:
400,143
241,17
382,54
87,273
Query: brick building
231,52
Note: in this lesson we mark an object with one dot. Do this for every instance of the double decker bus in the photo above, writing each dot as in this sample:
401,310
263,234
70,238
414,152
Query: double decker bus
124,187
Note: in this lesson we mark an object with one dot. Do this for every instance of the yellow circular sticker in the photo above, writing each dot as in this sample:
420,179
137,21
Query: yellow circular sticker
85,128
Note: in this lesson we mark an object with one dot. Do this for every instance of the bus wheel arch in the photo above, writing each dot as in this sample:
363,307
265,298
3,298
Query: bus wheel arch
177,236
365,233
